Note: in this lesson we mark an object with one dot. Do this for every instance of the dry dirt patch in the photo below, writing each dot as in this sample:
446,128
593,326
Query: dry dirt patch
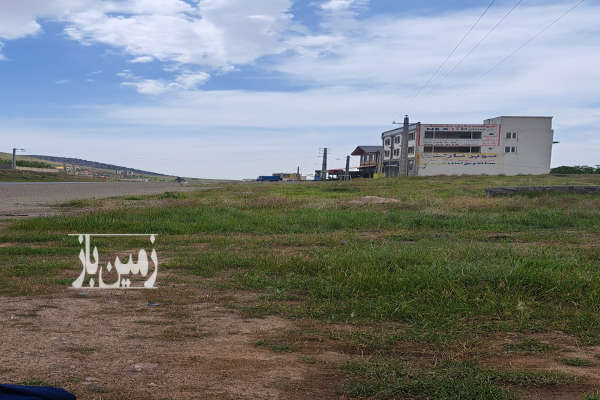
113,345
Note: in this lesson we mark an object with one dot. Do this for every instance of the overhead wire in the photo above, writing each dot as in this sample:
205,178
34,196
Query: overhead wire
532,38
435,74
483,39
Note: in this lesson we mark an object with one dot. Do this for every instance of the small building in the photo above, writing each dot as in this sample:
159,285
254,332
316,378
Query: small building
369,159
500,146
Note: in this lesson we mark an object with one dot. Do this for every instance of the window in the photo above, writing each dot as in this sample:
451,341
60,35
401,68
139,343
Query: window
508,135
411,164
396,139
387,154
396,152
475,149
387,142
514,135
411,150
513,149
507,149
453,135
428,149
411,136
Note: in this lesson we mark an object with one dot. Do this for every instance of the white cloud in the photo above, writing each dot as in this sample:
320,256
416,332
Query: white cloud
403,52
149,86
213,34
342,5
141,59
20,18
184,81
191,80
62,81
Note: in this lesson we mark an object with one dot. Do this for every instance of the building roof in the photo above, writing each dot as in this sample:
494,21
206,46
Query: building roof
360,150
522,116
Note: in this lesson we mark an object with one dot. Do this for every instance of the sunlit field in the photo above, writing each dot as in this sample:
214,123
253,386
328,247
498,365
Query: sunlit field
422,288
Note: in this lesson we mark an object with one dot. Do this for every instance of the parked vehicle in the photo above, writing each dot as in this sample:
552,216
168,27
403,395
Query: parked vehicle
269,178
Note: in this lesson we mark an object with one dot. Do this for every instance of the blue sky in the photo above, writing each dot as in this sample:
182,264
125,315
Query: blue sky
233,88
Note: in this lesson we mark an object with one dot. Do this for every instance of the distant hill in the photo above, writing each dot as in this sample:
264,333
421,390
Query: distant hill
93,164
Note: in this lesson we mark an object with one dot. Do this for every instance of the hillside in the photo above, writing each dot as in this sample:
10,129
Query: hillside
93,164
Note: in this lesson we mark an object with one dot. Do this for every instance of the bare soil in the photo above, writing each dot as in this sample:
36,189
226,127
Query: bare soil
113,345
37,198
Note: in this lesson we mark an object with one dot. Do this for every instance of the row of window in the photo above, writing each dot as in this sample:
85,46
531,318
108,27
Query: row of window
453,135
368,157
397,139
448,149
411,150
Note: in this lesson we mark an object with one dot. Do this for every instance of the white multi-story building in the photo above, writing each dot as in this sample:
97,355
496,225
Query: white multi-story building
500,146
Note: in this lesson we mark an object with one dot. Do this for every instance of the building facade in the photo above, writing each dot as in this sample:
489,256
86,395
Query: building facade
369,159
499,146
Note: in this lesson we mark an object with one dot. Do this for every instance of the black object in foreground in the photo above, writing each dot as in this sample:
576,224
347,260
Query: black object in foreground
17,392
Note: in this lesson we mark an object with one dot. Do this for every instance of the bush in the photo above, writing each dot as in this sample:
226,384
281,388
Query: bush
27,163
577,169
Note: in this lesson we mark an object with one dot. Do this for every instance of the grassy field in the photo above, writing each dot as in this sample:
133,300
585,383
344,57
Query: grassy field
442,293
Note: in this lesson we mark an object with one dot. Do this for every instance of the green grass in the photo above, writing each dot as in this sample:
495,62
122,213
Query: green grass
576,362
450,266
386,379
530,346
274,346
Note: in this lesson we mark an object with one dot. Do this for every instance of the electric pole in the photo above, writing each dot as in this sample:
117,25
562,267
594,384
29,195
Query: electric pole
347,175
14,158
324,167
404,149
403,165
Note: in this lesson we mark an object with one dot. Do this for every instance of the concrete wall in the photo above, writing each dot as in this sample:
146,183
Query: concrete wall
533,144
392,161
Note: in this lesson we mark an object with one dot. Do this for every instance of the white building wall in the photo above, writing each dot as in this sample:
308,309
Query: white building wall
533,144
531,156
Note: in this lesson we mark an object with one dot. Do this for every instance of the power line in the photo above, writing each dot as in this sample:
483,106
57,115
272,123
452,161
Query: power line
454,50
531,39
483,38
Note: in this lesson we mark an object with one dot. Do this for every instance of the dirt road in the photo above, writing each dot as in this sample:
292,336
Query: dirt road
36,198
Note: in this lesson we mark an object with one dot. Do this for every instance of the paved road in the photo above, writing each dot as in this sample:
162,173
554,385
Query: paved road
35,198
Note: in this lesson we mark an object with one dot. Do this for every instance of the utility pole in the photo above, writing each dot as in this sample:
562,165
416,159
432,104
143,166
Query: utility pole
14,158
404,149
324,167
380,162
347,175
403,166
